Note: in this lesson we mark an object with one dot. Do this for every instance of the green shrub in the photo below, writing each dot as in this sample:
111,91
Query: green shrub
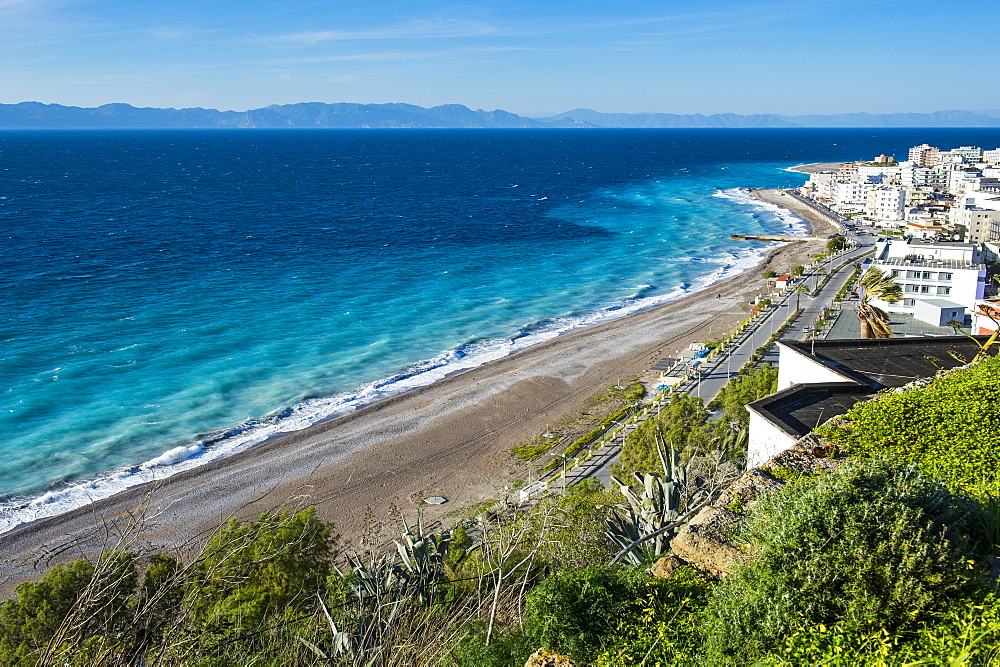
965,632
510,647
529,452
681,425
258,570
31,619
664,626
950,428
872,545
745,388
574,612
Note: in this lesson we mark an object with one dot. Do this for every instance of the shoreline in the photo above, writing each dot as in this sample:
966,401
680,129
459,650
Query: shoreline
214,447
816,167
449,438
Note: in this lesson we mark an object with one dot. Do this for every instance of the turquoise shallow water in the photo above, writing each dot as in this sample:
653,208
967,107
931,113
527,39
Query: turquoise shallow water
171,297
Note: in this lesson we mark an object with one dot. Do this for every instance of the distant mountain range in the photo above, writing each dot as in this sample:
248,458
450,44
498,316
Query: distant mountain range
936,119
36,116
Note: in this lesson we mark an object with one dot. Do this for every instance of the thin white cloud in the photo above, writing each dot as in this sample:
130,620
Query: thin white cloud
408,55
413,29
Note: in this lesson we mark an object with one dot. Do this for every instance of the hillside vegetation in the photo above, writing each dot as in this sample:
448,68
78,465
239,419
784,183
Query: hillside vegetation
885,560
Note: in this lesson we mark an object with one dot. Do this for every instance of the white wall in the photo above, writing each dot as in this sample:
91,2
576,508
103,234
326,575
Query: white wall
765,441
935,312
797,368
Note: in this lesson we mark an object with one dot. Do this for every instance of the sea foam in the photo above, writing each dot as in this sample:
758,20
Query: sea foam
314,410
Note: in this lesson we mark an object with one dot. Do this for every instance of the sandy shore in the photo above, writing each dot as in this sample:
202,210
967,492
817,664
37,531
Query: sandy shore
818,167
449,439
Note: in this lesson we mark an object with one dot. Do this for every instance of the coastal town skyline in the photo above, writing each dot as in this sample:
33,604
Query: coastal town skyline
546,58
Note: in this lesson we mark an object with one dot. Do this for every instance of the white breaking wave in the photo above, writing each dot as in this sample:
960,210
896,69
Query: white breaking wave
315,410
793,223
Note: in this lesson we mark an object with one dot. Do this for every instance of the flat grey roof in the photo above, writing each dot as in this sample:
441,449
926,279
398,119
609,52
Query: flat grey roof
873,364
930,263
943,303
891,362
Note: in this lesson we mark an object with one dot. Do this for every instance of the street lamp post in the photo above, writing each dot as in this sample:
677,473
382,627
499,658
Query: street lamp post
564,458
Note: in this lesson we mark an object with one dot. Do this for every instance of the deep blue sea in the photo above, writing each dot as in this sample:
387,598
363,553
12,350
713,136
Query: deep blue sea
173,296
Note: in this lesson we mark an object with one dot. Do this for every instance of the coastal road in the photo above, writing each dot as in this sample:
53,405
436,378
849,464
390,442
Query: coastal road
727,365
717,373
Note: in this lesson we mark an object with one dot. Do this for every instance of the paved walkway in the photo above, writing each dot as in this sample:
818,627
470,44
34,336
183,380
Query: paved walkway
718,370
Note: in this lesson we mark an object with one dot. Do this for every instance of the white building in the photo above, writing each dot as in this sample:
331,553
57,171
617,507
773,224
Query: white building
960,178
938,279
992,157
979,213
879,173
886,204
917,176
923,155
849,196
818,380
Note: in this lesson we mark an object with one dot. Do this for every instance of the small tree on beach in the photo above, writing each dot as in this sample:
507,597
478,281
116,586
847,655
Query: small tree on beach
875,284
798,270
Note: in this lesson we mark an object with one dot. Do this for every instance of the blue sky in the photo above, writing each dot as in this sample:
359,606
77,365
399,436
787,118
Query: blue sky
671,56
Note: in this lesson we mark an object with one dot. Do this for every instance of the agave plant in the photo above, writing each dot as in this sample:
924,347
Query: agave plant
662,501
423,557
876,285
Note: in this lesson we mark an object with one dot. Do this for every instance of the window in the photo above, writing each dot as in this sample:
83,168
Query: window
895,273
912,274
927,275
909,302
944,291
925,289
944,276
910,288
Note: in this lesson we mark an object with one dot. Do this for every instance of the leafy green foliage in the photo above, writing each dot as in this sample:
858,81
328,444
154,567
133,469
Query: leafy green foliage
529,452
869,546
770,273
573,612
72,605
950,428
260,569
31,619
965,632
568,531
512,647
663,626
681,424
836,244
745,388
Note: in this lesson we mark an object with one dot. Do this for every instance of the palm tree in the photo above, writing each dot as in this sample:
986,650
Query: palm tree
876,285
818,272
798,292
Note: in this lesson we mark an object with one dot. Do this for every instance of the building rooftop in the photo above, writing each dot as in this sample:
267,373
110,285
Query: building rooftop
802,407
868,366
943,244
890,362
847,326
930,263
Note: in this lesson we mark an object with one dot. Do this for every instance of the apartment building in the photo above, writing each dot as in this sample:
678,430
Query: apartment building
923,155
979,212
886,204
940,280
